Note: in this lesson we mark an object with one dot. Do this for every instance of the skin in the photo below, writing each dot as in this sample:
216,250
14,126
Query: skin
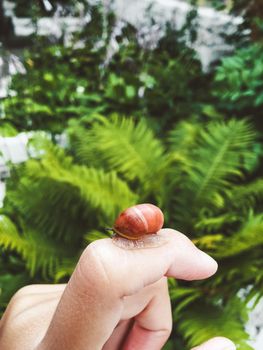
116,299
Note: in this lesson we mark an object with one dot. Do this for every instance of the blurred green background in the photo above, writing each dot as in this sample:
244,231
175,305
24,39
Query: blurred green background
140,123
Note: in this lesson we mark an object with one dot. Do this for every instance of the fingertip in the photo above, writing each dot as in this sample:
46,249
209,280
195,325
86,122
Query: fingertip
217,343
210,265
191,263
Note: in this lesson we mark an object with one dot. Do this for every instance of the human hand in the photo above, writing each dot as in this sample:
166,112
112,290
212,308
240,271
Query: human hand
116,299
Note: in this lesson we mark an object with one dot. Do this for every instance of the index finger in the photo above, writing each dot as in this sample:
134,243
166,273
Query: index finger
91,305
178,257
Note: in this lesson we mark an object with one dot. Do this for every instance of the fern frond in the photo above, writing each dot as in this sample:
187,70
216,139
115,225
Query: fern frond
60,198
65,269
241,272
243,197
184,136
219,156
250,236
202,321
217,160
102,191
127,147
184,297
208,242
38,252
216,223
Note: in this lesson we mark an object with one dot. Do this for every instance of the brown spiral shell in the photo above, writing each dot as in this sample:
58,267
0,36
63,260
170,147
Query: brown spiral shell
138,221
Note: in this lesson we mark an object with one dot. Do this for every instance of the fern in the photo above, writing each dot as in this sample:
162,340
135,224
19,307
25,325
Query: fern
217,160
64,196
205,175
213,224
208,242
127,147
220,148
239,78
65,269
250,236
243,197
184,297
225,320
36,250
184,136
56,200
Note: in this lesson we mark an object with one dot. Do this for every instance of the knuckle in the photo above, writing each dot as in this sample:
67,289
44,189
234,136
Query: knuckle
23,291
19,301
101,262
93,263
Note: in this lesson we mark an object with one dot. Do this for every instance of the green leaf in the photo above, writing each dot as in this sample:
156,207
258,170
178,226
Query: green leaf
39,252
94,235
202,321
64,196
7,130
249,237
125,146
9,284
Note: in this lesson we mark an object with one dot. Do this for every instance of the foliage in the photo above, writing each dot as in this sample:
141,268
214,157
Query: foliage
239,81
32,247
227,316
7,130
56,201
142,123
57,90
137,156
151,80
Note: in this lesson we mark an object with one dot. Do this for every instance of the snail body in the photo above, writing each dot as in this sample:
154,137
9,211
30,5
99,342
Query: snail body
139,221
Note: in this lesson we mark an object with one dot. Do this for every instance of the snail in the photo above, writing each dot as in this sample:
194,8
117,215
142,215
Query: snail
137,227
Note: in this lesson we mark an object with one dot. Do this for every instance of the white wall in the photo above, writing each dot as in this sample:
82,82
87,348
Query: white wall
210,44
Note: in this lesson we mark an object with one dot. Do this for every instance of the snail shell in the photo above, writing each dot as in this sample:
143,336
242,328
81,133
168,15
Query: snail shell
139,221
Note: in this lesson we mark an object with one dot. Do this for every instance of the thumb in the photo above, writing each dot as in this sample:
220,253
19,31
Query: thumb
218,343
